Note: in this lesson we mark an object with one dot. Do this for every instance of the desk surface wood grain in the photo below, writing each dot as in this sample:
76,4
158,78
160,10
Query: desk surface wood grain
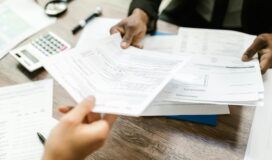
152,138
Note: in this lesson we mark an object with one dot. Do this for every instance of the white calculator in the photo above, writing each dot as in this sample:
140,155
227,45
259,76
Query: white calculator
31,55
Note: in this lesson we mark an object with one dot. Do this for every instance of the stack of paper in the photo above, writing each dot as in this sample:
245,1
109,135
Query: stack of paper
216,73
123,81
18,21
25,110
260,139
146,82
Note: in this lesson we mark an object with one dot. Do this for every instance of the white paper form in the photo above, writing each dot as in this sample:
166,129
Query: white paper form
123,81
218,79
160,43
210,41
165,43
24,142
26,98
260,140
97,29
24,110
20,19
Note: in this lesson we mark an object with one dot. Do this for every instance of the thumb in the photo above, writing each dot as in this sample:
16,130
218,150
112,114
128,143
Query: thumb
81,111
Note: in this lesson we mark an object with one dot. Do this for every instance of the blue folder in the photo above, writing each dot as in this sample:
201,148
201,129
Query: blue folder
203,119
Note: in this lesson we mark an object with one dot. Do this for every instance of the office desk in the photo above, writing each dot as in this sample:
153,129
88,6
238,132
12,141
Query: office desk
143,138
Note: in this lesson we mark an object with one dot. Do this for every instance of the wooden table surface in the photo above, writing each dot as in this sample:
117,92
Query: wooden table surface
143,138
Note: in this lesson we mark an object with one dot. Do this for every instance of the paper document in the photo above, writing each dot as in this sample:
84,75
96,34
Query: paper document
160,43
25,110
218,80
18,21
99,28
123,81
260,140
211,41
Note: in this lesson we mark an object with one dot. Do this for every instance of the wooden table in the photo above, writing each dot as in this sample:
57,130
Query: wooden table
143,138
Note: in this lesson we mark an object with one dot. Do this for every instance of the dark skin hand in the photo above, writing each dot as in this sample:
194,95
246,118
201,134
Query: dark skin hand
263,46
132,29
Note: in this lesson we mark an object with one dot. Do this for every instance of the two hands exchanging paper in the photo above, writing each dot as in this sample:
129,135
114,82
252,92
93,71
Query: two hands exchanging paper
134,27
81,132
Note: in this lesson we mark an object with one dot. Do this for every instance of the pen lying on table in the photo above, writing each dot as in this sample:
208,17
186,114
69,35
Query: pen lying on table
83,23
41,138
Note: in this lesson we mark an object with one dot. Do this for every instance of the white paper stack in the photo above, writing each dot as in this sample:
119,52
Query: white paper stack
20,19
25,110
156,81
216,74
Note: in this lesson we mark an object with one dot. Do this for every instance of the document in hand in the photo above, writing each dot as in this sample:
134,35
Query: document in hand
212,41
123,81
18,20
216,73
99,28
217,80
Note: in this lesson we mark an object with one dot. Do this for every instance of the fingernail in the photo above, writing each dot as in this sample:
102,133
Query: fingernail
124,44
244,57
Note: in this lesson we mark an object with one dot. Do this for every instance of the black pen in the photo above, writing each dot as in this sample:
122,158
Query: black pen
41,138
82,23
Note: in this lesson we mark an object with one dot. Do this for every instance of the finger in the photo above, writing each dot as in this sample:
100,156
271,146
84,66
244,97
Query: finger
258,44
110,119
80,112
137,41
118,28
140,46
266,62
92,117
97,131
127,38
65,109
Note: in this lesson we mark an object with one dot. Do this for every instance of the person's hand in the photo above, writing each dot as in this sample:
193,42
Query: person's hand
132,29
79,133
263,46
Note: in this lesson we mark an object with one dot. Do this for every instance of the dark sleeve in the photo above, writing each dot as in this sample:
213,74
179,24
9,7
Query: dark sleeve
151,8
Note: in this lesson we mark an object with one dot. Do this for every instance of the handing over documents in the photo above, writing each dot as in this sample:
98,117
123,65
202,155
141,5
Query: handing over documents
139,82
123,81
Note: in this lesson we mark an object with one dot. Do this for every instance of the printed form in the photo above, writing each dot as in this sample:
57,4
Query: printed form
216,73
25,110
123,81
18,22
211,41
217,79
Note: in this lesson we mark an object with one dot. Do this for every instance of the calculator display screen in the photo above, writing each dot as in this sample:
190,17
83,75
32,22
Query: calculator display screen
30,56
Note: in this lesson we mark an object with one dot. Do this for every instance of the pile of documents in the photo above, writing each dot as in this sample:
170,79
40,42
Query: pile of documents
139,82
18,22
25,110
